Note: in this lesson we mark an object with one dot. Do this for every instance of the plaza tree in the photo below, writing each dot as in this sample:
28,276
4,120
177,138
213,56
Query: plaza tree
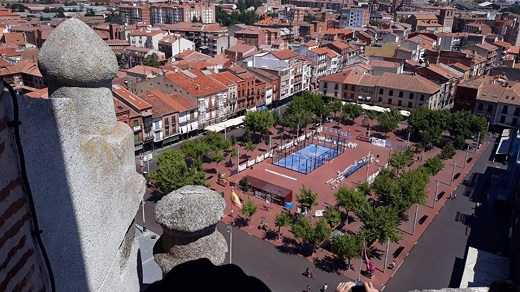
335,107
244,184
282,219
431,123
249,209
174,173
250,146
434,165
465,125
218,157
195,149
307,198
333,217
259,122
387,187
448,151
151,60
308,234
413,185
400,159
351,111
350,199
347,246
215,141
296,119
388,121
379,223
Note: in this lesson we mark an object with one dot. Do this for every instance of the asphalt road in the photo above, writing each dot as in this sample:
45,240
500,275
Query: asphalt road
437,259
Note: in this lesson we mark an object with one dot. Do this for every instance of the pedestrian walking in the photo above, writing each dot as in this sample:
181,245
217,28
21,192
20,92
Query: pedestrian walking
454,196
325,287
308,288
392,265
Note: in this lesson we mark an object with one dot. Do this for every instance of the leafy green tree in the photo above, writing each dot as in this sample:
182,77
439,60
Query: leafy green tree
234,153
333,217
307,199
434,165
173,172
282,219
335,107
218,157
259,122
297,119
214,141
465,125
400,159
388,121
151,60
244,184
379,223
430,122
249,209
387,187
448,151
350,199
303,230
195,149
347,246
413,185
351,111
60,12
250,146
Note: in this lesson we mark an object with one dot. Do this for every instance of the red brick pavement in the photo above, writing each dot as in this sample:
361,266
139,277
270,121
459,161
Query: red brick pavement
317,181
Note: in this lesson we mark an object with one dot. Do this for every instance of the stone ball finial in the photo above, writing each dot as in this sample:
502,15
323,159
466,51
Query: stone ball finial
74,55
190,208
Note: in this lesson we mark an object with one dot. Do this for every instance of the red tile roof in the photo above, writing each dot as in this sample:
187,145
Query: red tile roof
195,82
131,98
284,54
413,83
159,103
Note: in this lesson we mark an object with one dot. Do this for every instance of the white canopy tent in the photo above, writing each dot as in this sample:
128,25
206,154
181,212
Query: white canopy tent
226,124
379,109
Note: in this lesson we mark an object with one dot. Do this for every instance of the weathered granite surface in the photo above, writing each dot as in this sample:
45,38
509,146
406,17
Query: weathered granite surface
189,218
81,165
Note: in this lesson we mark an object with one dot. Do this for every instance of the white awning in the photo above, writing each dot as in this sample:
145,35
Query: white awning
226,124
404,113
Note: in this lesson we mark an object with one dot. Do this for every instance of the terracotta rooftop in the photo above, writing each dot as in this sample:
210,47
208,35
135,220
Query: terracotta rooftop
241,48
352,76
502,44
196,82
487,47
131,98
143,70
384,64
425,16
340,45
182,103
159,103
119,106
496,93
443,72
226,78
413,83
284,54
16,38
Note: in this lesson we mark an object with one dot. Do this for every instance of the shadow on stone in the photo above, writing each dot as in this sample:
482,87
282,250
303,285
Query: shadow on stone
270,234
240,222
289,246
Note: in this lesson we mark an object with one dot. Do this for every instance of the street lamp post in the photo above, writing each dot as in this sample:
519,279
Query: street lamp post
144,220
466,158
368,164
436,194
386,255
415,218
453,171
230,230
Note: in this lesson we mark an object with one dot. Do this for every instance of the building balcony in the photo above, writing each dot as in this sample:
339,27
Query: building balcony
137,128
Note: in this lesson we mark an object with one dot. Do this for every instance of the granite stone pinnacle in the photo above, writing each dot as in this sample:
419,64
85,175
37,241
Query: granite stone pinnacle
74,55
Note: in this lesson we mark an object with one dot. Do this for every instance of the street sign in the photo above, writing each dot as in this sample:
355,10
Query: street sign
148,157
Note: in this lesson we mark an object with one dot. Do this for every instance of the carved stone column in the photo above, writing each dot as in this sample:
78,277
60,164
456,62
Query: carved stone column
189,218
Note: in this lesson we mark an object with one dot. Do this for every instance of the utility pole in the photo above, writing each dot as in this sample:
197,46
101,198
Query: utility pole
478,141
225,132
230,230
144,220
453,171
415,218
436,194
408,139
368,164
466,158
386,255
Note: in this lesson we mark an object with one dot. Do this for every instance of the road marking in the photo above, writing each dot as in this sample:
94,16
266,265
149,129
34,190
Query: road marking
280,174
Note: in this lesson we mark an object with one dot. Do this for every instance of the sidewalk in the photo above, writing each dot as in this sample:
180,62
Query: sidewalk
150,270
425,215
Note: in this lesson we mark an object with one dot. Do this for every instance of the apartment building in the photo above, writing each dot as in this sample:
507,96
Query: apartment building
133,56
499,102
174,44
293,72
203,12
250,91
165,118
210,95
487,51
198,33
232,82
425,22
140,117
347,51
390,90
447,78
145,38
354,17
475,62
258,37
452,41
133,14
